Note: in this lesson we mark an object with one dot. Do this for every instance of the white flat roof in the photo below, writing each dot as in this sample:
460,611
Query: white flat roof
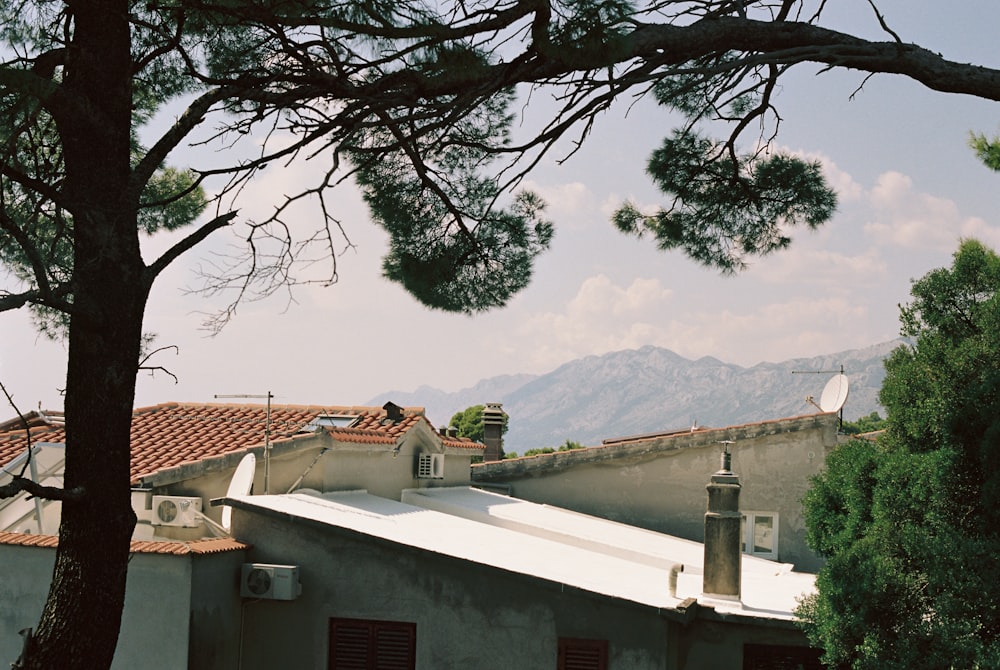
545,542
574,528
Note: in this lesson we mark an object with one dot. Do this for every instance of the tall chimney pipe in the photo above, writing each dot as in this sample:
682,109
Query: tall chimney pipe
493,417
721,577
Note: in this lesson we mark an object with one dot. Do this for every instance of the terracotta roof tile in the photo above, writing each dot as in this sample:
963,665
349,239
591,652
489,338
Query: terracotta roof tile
210,546
29,540
170,434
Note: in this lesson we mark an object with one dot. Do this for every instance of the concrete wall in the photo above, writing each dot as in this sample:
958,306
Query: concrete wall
181,612
24,584
467,615
156,620
216,610
343,467
660,483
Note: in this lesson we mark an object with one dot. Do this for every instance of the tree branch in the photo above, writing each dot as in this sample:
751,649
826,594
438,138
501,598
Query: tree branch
187,243
53,299
21,484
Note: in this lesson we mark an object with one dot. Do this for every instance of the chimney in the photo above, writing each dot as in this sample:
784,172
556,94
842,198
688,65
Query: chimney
493,419
393,412
722,533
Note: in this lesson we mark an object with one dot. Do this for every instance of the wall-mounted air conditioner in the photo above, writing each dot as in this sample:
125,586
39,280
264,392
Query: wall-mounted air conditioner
182,511
430,466
270,582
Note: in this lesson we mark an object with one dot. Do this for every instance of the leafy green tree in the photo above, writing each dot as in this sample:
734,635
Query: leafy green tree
569,445
413,101
865,424
469,423
986,149
909,525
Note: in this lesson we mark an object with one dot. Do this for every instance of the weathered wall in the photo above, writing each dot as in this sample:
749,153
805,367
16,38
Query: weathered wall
660,483
172,607
466,615
156,620
24,584
215,611
342,467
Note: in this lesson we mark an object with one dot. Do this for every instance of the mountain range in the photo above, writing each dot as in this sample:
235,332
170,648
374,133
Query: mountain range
654,389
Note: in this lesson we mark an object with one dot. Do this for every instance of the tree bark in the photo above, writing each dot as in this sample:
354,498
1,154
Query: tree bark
82,616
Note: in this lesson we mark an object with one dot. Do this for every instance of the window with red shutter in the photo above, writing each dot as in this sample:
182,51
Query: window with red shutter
581,654
361,644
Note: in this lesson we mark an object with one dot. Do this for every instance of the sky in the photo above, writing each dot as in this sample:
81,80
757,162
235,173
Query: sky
909,189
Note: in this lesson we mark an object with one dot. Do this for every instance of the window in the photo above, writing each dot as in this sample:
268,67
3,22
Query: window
580,654
760,534
775,657
358,644
331,421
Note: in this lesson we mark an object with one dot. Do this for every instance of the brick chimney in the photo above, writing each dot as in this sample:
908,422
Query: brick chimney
393,412
493,418
722,534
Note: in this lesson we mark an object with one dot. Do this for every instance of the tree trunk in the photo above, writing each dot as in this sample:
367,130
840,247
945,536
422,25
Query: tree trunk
82,616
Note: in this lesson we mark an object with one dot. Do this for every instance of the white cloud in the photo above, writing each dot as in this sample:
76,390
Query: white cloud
913,220
820,267
601,317
566,203
604,316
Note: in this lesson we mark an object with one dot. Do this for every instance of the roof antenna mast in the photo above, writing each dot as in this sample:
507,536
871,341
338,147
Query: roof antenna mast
834,393
267,432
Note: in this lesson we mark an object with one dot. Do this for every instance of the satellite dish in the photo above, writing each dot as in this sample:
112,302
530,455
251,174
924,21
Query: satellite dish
834,394
240,485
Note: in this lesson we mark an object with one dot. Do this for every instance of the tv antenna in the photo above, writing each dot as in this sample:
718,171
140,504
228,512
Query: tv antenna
267,432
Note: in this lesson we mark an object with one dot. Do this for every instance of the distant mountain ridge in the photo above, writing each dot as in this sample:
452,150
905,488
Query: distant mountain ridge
654,389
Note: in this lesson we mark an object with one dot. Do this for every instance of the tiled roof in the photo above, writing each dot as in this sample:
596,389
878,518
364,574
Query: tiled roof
171,434
12,443
210,546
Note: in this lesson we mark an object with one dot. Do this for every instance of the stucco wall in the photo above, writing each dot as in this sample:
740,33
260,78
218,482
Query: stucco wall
160,626
155,623
660,483
467,615
342,467
24,584
215,611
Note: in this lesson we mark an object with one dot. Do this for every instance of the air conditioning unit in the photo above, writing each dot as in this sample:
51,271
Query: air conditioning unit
270,582
430,466
181,511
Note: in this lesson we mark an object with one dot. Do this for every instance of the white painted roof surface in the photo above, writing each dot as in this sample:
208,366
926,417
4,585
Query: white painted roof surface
557,555
583,530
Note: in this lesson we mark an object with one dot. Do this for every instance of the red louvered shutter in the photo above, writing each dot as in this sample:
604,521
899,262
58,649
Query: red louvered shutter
357,644
395,646
580,654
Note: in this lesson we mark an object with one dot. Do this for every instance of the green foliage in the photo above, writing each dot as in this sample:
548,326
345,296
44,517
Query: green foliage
568,445
726,209
865,424
986,149
450,245
469,423
909,525
590,27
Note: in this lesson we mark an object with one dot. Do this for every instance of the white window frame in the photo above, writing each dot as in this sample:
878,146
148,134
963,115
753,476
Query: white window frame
749,523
